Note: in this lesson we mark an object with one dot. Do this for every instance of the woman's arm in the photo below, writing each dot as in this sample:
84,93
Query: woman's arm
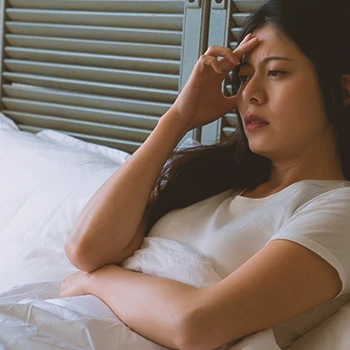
109,222
281,281
156,308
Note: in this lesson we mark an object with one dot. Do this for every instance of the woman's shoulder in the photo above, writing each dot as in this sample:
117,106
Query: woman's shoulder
333,188
330,194
299,193
318,189
326,184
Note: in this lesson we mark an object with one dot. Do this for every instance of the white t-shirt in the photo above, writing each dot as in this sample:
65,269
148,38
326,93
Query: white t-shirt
230,229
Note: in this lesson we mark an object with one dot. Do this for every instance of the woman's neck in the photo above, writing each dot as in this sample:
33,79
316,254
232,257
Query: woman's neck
318,164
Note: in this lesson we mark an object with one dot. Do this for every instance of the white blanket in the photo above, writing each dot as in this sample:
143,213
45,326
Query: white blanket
33,317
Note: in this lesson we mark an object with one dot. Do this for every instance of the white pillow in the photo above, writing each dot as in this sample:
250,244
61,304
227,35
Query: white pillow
7,123
44,187
331,334
69,141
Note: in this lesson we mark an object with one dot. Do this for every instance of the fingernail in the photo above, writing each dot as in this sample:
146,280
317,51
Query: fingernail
248,35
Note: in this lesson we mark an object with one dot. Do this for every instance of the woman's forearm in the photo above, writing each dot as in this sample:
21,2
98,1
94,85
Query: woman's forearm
111,218
155,308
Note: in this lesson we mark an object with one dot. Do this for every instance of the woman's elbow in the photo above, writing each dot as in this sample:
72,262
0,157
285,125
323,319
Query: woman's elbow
189,335
78,257
88,257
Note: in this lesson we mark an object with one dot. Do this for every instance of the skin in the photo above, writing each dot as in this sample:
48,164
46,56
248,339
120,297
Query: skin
299,139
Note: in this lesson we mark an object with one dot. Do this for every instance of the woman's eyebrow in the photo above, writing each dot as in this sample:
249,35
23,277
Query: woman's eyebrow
266,60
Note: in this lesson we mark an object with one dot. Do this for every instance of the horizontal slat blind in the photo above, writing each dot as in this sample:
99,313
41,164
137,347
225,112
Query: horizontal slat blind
103,71
240,10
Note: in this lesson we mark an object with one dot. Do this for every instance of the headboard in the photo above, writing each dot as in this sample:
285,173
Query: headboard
105,71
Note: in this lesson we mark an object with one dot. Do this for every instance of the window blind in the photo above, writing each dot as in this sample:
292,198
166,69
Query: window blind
103,71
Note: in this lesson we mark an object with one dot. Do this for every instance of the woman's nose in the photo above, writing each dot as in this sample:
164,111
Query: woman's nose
254,92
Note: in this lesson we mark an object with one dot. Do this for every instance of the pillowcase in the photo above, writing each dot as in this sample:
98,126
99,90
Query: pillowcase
46,181
7,123
69,141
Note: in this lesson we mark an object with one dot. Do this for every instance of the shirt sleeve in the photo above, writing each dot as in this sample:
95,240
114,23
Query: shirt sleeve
323,226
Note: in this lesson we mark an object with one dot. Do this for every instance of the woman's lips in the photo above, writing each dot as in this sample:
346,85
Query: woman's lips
253,122
255,125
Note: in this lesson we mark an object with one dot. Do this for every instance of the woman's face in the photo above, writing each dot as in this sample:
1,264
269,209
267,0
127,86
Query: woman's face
285,94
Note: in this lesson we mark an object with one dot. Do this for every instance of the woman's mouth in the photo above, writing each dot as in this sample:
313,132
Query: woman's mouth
255,125
253,122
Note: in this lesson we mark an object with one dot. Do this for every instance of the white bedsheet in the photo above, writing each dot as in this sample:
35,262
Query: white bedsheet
33,317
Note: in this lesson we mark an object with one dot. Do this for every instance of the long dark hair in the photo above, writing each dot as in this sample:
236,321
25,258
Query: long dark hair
197,173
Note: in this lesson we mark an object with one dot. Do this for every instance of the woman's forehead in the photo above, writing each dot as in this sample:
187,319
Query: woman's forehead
272,43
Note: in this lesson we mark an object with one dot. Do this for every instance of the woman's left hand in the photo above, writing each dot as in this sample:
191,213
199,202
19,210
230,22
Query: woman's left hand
76,284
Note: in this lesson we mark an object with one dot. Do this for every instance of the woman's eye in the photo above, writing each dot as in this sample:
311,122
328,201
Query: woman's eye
243,78
275,73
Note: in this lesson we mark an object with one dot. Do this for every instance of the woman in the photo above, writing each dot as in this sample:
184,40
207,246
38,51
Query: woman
270,205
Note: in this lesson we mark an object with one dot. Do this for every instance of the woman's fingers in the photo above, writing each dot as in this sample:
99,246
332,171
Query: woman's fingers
217,51
232,57
212,61
246,45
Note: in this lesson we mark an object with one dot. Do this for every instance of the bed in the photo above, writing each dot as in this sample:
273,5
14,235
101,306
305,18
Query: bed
46,180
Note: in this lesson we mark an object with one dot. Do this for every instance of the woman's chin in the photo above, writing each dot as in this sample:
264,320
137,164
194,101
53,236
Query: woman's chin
260,148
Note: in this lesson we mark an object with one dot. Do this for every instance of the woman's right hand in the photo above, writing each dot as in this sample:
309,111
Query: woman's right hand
202,101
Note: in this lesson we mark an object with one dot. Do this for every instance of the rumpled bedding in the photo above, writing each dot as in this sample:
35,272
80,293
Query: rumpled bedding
34,317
